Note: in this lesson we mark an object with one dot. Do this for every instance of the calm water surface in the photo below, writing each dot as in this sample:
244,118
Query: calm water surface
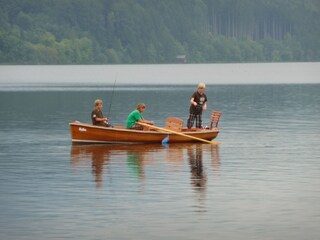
262,182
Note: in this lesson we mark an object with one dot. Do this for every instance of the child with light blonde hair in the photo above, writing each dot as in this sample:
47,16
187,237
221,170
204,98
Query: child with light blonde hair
198,103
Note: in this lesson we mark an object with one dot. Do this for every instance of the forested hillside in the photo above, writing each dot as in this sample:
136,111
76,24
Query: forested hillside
157,31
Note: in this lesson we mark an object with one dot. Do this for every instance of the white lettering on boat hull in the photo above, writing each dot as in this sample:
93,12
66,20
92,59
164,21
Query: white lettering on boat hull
82,129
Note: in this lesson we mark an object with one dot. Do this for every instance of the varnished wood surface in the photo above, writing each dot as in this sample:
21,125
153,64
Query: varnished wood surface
82,132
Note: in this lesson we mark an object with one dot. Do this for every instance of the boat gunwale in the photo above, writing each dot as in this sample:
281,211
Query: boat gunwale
202,131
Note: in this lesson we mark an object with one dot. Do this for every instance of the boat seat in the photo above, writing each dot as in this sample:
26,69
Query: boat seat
214,120
174,124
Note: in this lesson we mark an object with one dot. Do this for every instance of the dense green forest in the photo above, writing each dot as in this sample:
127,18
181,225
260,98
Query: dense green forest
157,31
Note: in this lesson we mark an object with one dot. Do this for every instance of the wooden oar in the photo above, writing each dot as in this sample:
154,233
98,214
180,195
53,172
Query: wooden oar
178,133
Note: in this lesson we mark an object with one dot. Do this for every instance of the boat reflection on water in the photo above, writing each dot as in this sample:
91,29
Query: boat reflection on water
199,155
138,157
198,176
96,154
134,159
101,156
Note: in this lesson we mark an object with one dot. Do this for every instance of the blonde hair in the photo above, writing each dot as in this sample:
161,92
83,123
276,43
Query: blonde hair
201,85
97,102
141,105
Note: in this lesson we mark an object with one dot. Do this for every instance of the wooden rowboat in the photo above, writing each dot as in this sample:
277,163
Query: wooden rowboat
88,133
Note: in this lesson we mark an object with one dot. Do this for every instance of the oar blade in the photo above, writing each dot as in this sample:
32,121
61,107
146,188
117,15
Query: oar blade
165,140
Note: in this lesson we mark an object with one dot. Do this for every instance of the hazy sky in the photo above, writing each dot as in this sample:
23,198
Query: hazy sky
163,73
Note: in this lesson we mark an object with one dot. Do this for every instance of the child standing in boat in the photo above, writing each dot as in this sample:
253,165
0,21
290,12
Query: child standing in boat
198,103
136,116
97,116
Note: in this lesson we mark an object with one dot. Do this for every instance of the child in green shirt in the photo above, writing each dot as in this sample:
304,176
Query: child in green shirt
136,116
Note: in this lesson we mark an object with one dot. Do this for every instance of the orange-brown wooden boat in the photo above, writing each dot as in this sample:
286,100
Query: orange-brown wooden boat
88,133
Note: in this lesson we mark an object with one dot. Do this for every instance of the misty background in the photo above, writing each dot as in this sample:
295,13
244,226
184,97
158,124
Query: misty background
245,73
152,31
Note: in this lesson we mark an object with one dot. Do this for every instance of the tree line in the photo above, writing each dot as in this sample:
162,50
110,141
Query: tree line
153,31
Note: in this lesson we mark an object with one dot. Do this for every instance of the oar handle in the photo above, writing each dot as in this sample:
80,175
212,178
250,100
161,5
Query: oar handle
178,133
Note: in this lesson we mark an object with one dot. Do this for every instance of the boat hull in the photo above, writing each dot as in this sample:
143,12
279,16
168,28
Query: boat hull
87,133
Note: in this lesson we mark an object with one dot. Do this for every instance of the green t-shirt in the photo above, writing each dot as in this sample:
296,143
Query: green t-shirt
133,117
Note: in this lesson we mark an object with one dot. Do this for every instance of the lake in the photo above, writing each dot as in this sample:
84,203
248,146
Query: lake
261,182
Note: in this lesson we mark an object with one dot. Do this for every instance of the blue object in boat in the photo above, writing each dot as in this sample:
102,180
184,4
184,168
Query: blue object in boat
165,140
